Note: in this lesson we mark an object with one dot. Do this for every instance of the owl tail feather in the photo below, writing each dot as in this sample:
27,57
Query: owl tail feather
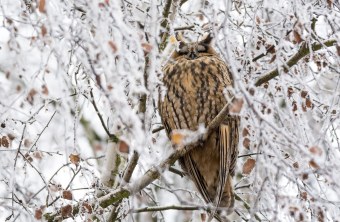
225,162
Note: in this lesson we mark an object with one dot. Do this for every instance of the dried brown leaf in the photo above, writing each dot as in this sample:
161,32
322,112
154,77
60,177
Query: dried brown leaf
42,4
257,20
43,30
303,195
101,5
203,217
293,210
4,141
27,142
30,96
146,47
18,88
123,147
313,164
38,214
246,143
304,176
271,49
272,59
67,195
321,216
113,46
296,165
290,91
297,36
28,157
66,211
109,87
87,207
315,150
37,155
329,3
294,106
45,90
251,91
248,166
309,103
74,158
11,136
304,94
245,131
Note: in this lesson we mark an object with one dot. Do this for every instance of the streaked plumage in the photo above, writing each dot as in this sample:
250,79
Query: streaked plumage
196,80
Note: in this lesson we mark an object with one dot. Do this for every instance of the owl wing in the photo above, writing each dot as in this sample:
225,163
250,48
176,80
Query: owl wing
228,154
197,177
224,148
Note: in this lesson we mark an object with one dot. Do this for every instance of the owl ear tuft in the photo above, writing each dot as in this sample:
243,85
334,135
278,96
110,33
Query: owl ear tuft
207,40
181,45
181,41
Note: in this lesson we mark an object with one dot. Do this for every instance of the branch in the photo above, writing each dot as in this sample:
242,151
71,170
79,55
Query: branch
131,167
189,27
302,52
165,25
176,171
246,205
112,137
158,129
250,154
151,175
155,172
170,207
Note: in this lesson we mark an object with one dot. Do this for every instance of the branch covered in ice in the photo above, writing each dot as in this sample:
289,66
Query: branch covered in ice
151,175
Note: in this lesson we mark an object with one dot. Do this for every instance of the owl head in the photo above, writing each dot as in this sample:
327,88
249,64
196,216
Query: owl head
194,50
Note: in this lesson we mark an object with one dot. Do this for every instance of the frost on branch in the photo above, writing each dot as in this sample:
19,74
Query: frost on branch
75,76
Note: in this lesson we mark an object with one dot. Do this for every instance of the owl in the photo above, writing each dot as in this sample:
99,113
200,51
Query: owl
198,85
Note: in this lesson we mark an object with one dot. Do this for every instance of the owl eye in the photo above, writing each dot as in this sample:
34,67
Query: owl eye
183,48
201,48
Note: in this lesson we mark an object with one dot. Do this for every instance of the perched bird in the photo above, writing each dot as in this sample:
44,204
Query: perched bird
198,85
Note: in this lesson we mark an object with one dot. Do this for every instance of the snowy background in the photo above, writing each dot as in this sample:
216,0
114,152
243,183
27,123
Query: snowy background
77,75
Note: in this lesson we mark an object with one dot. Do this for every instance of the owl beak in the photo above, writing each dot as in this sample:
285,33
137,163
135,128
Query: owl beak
192,55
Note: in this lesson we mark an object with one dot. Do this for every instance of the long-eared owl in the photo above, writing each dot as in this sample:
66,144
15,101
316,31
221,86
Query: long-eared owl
198,85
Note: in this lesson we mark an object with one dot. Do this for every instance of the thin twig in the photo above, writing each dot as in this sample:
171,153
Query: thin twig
189,27
112,137
268,50
39,135
263,54
176,171
130,167
162,208
250,154
158,129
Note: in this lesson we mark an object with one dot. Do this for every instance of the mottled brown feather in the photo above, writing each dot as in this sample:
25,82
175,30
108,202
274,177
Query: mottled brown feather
195,85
